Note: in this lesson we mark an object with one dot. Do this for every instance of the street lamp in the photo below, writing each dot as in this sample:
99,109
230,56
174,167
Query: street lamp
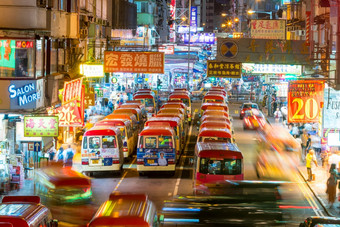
224,14
250,12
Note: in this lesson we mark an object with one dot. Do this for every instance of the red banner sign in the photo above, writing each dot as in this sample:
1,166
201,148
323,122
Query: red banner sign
72,90
304,101
72,113
133,62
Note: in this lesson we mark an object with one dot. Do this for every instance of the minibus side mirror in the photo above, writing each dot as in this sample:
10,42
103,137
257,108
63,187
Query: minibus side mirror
198,122
54,223
191,161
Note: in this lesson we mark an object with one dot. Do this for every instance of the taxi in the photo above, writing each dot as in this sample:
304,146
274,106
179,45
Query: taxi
25,211
132,210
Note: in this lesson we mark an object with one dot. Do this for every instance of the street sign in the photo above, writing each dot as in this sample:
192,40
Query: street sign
139,80
31,146
37,146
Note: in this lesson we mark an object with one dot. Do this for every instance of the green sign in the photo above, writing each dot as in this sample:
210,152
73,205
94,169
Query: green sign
41,126
114,80
7,54
99,92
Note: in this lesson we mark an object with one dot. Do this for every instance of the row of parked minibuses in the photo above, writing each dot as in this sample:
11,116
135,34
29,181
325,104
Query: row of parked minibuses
163,138
114,139
217,157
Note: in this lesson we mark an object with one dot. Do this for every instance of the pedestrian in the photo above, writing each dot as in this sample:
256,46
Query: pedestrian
316,144
331,185
51,153
304,138
69,156
61,154
324,158
295,130
277,115
310,159
308,143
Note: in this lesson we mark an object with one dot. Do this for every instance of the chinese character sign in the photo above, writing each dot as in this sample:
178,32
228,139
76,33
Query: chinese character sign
205,38
193,19
72,90
134,62
89,100
268,29
304,101
90,70
224,69
41,126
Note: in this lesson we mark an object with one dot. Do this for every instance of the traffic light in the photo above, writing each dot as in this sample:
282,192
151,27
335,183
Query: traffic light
159,84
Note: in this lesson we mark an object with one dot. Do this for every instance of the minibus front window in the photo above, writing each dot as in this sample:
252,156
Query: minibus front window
94,142
109,142
232,167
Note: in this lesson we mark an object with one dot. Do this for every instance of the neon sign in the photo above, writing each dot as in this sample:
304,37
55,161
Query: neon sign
22,93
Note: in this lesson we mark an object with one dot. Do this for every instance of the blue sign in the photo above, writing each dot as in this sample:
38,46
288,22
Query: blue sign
139,80
193,19
204,38
24,94
156,157
107,161
37,146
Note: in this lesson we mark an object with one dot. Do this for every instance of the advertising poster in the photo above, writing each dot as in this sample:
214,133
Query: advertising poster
331,113
305,98
268,29
196,38
193,19
41,126
224,69
133,62
159,157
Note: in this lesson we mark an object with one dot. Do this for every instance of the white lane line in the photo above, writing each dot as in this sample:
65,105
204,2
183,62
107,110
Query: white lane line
183,157
124,175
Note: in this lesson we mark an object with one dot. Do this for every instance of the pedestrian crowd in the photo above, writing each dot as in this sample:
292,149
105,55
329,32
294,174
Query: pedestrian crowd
62,156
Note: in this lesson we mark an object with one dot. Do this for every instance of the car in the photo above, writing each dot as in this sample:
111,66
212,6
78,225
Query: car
253,119
247,106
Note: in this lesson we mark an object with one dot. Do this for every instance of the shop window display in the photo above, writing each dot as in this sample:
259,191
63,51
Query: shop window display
17,58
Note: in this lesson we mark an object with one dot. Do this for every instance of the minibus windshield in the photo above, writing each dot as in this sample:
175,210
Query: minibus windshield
94,142
148,102
109,142
220,167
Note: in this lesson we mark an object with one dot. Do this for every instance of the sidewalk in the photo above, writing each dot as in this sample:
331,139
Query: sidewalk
318,187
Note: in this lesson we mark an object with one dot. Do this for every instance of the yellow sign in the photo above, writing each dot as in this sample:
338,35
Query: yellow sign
237,35
92,70
224,69
41,126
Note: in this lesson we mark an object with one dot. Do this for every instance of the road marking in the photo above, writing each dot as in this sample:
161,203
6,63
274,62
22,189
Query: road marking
183,158
307,194
124,175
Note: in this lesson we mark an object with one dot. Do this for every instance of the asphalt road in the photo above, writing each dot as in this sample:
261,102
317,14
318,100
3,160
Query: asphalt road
298,203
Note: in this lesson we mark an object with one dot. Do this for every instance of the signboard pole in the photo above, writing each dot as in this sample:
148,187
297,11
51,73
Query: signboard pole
189,46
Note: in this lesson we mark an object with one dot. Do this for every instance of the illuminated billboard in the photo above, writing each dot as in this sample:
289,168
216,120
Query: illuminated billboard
92,70
41,126
271,68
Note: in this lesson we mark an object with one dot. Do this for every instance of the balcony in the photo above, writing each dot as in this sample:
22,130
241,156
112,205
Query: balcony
24,14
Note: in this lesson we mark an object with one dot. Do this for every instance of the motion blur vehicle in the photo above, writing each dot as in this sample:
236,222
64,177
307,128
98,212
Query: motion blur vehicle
124,125
216,162
253,119
132,210
247,106
58,185
156,150
25,211
215,135
275,145
317,221
231,203
102,150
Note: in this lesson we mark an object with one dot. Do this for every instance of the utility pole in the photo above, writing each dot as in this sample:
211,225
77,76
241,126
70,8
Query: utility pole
337,77
188,87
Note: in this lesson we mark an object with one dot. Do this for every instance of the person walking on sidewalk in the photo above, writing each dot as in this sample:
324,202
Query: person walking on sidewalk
310,159
331,185
277,115
304,138
69,156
